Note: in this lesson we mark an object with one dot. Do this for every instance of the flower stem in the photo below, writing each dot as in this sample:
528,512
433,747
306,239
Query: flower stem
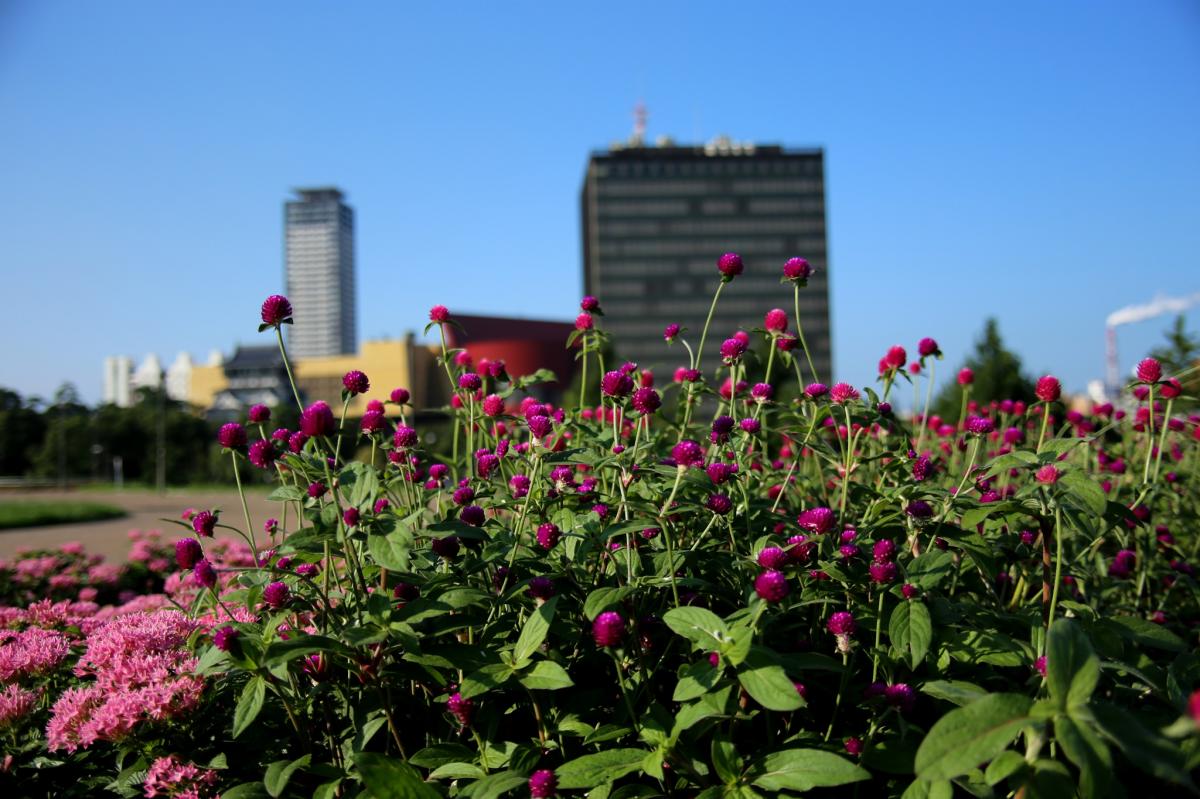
288,367
800,332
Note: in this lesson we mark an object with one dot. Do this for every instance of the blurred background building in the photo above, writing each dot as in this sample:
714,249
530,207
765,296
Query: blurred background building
656,219
319,246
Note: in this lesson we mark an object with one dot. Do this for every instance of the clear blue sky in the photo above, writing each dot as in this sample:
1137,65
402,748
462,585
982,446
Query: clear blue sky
1036,161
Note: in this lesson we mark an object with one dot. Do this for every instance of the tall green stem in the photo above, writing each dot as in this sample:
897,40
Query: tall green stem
287,366
800,332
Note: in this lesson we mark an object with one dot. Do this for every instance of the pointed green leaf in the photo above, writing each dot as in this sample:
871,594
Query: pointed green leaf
1072,668
546,675
392,551
804,769
249,705
766,681
702,627
534,631
592,770
279,772
388,778
968,736
911,631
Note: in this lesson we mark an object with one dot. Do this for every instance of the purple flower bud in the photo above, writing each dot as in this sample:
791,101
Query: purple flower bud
771,585
276,310
317,420
608,629
232,436
205,574
730,266
277,594
356,382
188,552
446,548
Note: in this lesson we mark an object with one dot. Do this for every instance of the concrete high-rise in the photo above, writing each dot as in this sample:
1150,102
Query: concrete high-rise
319,244
656,219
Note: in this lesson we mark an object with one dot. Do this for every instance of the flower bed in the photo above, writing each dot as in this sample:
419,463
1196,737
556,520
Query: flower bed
720,587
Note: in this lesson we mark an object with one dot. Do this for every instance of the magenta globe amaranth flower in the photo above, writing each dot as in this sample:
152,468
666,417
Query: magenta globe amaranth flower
816,390
798,271
966,376
188,552
719,504
584,321
919,509
979,425
732,350
472,515
646,401
616,384
719,471
750,425
372,422
842,625
884,550
262,453
817,520
351,516
896,357
400,396
901,696
259,414
687,453
470,381
446,547
842,393
276,311
608,629
589,304
771,585
232,436
405,437
548,535
730,266
356,382
772,558
316,490
462,709
439,314
1047,475
776,321
204,573
541,588
277,594
1048,389
542,784
927,347
883,572
224,637
317,420
204,523
1123,564
670,332
1149,370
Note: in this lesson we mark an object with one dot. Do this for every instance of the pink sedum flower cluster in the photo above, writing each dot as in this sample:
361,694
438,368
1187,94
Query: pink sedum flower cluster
170,776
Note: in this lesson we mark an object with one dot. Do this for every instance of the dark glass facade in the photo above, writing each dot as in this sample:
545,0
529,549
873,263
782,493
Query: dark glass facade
319,242
655,221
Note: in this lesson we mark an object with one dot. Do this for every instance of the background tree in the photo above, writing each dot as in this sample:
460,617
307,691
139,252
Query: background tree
21,432
1181,353
998,375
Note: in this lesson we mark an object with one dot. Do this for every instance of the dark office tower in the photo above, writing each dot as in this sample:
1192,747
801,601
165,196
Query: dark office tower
656,219
319,240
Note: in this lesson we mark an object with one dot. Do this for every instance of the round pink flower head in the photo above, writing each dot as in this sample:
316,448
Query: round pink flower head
896,357
493,405
351,517
853,746
400,396
927,347
965,376
817,520
670,332
687,453
1048,388
732,350
1194,706
1149,370
232,436
883,572
842,393
542,784
224,637
548,535
842,623
616,384
317,420
259,413
470,381
719,504
405,437
589,304
979,425
263,454
1047,475
646,401
730,266
462,709
608,629
584,321
356,382
1170,388
439,314
372,422
204,523
797,270
277,594
771,585
205,574
1040,665
188,552
816,390
776,320
276,311
772,558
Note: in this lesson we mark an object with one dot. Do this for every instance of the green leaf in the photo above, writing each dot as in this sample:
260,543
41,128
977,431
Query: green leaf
957,691
485,679
546,675
287,494
456,771
725,759
1145,633
603,598
968,736
930,568
702,627
911,631
534,631
440,754
1004,766
803,770
1072,668
361,480
388,778
591,770
279,772
707,706
698,679
249,705
1148,751
1084,748
392,551
1085,491
300,645
766,681
247,790
493,785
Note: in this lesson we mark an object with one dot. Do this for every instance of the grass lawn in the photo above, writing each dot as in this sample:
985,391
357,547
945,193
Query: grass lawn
30,513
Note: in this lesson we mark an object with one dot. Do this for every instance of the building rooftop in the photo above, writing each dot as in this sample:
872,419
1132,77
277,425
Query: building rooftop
319,194
259,356
721,146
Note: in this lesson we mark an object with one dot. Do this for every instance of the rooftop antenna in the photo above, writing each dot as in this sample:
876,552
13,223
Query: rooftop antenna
639,124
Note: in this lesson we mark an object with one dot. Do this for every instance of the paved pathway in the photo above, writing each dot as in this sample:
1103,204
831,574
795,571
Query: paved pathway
110,537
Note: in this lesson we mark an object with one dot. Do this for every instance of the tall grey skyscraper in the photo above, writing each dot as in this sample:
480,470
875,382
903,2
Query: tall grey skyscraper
319,240
656,219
